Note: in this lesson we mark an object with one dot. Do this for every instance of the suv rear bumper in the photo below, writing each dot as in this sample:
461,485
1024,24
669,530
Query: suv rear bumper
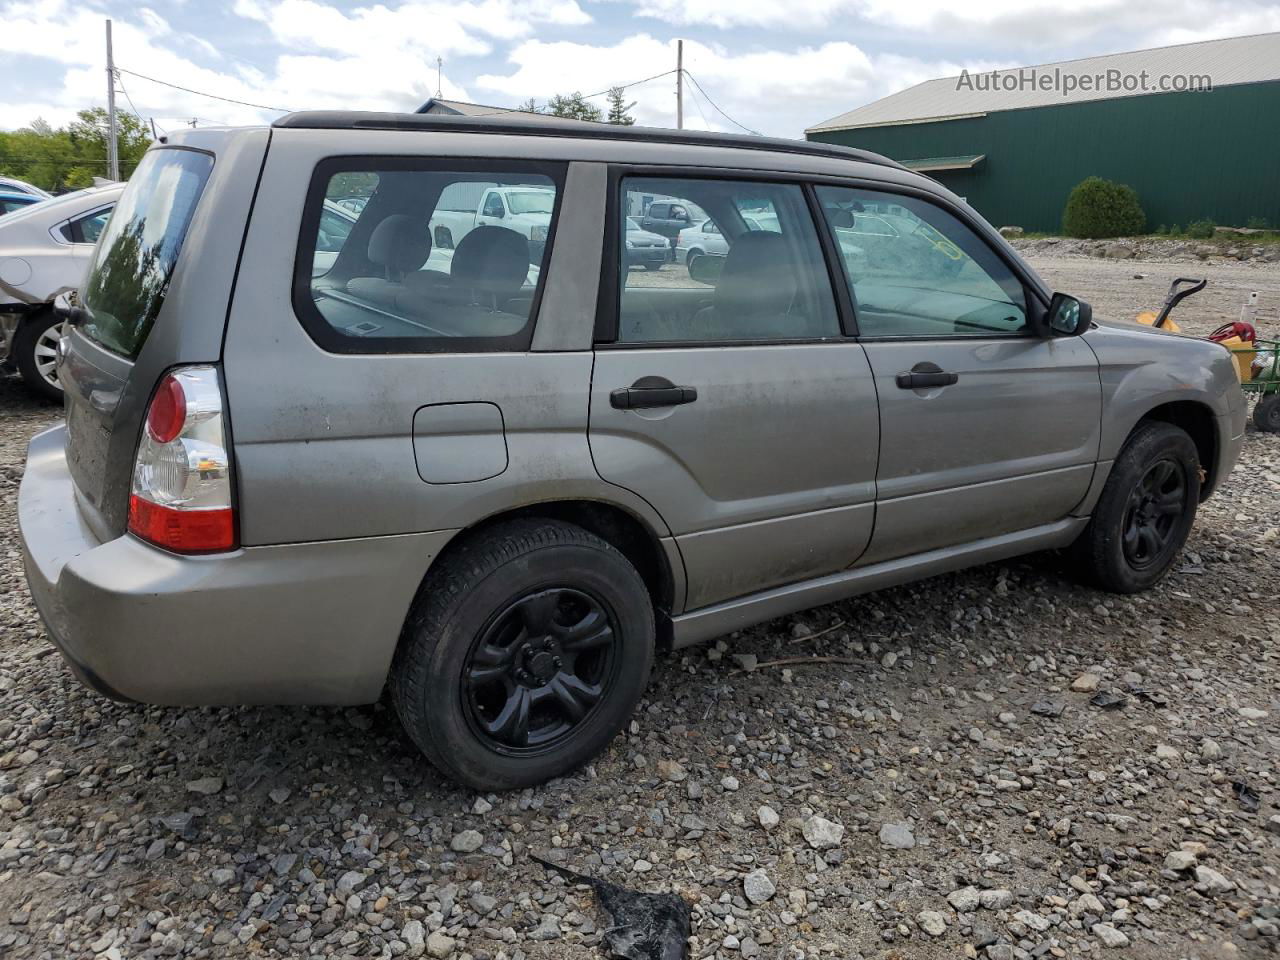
297,623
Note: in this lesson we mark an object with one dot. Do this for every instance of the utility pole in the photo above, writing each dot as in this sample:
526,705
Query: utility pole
113,154
679,84
439,76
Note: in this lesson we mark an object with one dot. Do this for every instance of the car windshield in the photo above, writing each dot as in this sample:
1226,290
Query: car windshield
531,201
135,257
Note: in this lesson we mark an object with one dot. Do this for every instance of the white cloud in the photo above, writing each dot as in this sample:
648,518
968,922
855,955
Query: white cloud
372,58
1029,24
772,91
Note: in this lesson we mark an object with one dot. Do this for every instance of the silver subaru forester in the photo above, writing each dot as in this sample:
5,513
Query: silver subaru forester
368,401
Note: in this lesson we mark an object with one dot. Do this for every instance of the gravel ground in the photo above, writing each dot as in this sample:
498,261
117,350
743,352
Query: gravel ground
911,800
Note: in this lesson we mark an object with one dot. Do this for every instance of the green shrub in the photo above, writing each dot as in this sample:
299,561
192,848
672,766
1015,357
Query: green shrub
1100,208
1257,223
1201,229
1175,231
1162,230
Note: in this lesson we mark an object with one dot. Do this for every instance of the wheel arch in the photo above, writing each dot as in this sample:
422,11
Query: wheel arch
659,566
1197,420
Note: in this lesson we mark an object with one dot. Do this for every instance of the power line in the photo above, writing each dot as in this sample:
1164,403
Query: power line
697,102
717,108
201,93
585,96
141,119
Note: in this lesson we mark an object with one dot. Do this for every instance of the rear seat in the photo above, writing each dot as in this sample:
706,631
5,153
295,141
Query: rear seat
399,245
479,297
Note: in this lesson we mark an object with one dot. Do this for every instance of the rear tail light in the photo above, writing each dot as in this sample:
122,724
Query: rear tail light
181,494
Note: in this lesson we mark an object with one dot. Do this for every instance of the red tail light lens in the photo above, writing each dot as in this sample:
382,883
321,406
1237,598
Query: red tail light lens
183,531
168,410
181,494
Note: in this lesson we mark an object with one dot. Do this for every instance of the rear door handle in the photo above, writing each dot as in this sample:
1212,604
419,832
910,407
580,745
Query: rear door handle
652,392
925,375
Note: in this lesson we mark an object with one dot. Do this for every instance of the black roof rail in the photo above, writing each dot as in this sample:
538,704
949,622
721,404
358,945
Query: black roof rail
512,123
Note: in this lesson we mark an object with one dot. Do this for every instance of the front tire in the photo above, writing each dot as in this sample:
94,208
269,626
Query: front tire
1145,512
36,353
526,652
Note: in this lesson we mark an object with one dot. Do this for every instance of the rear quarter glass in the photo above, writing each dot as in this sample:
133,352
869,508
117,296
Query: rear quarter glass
136,253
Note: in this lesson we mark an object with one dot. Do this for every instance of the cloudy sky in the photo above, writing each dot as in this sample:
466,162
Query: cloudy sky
775,66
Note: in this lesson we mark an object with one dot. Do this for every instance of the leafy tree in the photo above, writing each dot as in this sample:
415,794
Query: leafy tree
573,106
530,106
619,109
69,158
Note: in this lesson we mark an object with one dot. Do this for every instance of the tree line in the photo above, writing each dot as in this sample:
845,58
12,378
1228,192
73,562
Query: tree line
68,158
575,106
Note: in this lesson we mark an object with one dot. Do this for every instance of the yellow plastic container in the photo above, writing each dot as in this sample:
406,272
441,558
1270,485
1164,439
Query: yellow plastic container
1242,352
1149,318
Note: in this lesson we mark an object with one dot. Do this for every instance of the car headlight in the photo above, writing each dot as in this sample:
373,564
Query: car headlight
631,244
538,234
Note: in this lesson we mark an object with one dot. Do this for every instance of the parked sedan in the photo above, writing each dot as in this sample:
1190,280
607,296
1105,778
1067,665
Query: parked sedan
14,185
645,249
704,238
44,252
12,202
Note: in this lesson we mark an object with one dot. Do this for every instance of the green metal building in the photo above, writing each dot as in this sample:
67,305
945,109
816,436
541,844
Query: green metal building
1197,137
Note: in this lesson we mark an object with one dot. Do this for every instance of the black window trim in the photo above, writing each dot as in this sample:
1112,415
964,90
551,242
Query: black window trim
328,337
609,297
74,227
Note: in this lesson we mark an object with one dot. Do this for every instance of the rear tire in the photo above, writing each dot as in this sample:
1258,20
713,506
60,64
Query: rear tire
525,653
1266,415
35,351
654,266
1145,512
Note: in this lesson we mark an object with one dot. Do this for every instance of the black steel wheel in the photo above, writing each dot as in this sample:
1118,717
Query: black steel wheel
540,669
1145,512
527,650
1156,504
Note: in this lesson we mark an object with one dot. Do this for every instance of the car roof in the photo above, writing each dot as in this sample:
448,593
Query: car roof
509,124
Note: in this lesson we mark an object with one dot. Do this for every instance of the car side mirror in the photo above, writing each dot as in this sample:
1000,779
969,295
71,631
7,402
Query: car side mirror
1067,316
840,218
706,269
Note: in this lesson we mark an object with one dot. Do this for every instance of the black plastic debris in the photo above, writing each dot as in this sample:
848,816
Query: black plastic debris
1048,708
182,823
1109,699
1246,796
1148,696
642,926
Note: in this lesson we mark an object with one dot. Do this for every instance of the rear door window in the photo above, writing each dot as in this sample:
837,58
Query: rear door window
134,260
752,270
422,266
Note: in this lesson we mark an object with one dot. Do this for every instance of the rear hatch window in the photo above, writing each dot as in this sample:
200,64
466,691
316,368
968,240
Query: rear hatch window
136,253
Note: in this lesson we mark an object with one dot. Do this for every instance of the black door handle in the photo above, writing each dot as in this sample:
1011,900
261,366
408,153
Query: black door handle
925,375
652,392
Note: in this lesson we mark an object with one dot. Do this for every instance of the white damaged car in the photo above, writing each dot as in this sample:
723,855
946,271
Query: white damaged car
44,252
